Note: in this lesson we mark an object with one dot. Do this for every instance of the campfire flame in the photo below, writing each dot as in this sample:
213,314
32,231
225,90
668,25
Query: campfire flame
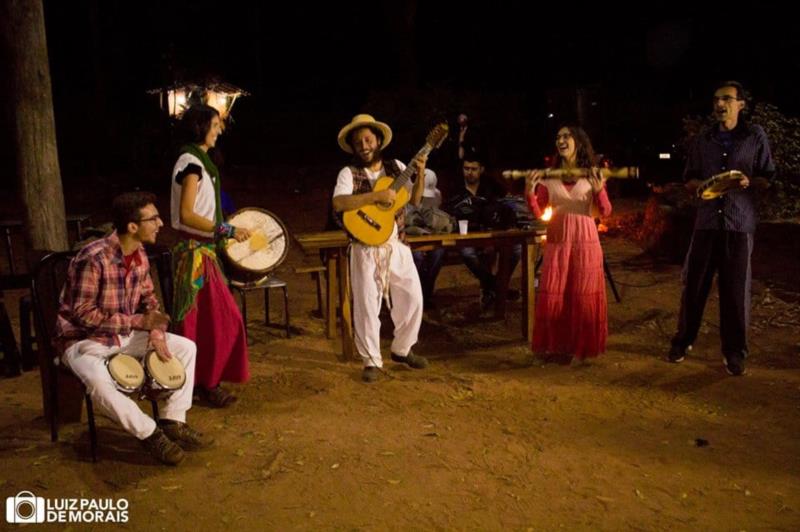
547,214
602,228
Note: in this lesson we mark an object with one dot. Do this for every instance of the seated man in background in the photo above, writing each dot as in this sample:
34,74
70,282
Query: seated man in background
474,202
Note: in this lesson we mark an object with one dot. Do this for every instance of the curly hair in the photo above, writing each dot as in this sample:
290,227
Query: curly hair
584,152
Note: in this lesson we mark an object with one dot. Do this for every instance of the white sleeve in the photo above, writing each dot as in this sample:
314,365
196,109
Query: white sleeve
344,183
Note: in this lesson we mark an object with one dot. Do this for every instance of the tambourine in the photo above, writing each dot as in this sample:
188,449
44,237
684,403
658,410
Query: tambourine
719,184
267,247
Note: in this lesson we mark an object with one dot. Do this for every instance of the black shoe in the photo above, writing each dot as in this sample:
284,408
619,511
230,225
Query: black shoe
370,374
188,438
488,298
162,448
411,360
734,365
676,354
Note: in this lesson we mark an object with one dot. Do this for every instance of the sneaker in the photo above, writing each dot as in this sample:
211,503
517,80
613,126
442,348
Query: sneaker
162,448
676,354
185,436
411,360
370,374
734,365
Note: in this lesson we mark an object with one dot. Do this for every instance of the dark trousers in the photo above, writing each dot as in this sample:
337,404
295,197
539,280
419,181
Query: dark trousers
728,253
481,261
428,264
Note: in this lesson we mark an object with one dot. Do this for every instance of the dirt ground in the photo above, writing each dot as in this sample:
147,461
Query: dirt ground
486,438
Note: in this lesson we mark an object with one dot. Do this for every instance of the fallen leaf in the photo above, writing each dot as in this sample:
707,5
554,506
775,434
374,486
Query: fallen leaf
393,481
335,466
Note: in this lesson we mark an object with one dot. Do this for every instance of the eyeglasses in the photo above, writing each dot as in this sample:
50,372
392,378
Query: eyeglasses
725,99
155,218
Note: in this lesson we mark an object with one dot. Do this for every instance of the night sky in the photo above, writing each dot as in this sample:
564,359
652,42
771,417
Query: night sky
310,67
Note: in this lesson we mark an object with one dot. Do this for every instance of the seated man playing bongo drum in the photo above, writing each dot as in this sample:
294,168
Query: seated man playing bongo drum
108,306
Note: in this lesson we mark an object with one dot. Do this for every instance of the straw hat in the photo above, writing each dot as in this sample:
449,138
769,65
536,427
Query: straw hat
362,121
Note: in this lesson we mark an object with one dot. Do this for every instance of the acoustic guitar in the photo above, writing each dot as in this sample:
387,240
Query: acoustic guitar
373,224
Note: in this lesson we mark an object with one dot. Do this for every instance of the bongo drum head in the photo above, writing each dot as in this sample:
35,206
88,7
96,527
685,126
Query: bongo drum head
169,375
126,371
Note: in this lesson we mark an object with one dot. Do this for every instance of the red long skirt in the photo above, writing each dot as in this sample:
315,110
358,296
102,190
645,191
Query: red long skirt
216,326
571,310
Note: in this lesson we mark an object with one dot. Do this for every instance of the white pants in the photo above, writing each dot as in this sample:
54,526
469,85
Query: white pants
87,359
405,292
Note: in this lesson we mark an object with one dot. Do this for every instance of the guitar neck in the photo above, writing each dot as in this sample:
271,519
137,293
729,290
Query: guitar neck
401,180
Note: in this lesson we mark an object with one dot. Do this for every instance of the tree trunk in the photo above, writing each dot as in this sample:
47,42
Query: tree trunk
31,101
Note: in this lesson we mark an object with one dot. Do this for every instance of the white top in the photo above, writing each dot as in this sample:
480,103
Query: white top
344,182
205,204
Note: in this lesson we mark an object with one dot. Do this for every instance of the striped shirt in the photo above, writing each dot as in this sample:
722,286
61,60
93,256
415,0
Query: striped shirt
102,299
745,149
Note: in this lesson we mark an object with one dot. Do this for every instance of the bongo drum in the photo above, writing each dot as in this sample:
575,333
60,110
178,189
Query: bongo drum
268,245
126,372
719,184
163,378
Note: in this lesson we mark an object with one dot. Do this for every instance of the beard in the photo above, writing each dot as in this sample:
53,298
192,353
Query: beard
377,155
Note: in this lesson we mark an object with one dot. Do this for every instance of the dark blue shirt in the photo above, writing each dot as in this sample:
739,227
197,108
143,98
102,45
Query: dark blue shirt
746,149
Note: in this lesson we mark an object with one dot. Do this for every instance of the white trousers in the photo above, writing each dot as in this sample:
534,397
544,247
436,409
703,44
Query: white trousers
87,359
367,276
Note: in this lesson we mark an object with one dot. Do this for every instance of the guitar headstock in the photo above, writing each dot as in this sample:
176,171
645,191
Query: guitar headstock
437,135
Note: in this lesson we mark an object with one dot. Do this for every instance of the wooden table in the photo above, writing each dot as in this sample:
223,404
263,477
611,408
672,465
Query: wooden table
333,247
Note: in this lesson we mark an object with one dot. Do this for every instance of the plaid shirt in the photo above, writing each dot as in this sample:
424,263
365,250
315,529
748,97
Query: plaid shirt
102,299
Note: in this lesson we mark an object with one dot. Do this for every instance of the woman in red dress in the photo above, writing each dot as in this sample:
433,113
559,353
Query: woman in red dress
571,313
205,310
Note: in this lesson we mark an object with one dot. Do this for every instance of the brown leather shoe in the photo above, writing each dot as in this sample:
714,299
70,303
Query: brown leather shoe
217,397
188,438
411,360
162,448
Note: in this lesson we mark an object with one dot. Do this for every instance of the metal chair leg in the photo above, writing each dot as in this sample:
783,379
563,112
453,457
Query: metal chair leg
286,309
26,338
243,296
611,280
266,307
53,402
92,427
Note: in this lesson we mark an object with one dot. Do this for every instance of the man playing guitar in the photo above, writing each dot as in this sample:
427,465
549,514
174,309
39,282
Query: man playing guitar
378,271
